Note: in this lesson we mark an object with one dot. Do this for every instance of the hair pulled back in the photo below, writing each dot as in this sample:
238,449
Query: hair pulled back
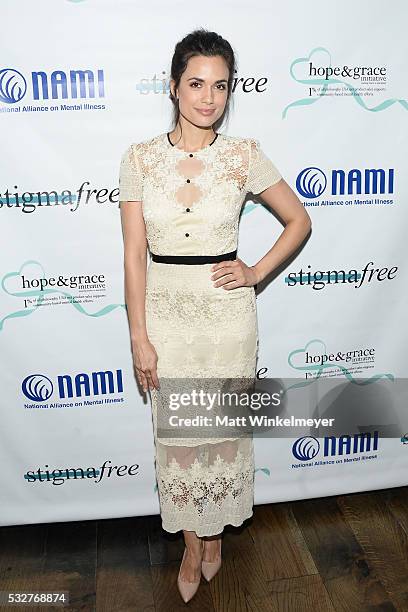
209,44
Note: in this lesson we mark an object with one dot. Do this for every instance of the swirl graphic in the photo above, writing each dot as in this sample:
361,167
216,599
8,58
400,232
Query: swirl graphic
37,387
13,86
305,448
311,182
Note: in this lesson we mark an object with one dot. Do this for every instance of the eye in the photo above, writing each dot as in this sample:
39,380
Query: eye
222,85
195,83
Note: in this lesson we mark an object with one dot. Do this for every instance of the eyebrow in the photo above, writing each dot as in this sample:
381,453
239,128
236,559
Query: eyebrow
202,80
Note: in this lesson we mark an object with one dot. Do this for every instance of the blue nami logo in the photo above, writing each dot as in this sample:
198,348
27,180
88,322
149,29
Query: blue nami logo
37,387
311,182
306,448
13,86
58,84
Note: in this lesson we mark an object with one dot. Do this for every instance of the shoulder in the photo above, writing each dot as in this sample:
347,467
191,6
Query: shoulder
243,148
144,154
243,143
236,140
146,145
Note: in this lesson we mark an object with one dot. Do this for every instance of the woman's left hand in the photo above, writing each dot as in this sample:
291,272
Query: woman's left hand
233,274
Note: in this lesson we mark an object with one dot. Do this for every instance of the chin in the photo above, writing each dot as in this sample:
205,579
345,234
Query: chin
207,121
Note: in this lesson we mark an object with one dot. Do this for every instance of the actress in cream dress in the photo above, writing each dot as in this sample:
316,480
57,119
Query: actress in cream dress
191,206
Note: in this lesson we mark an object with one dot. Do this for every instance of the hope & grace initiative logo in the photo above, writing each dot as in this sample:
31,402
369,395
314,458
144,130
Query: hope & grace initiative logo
354,83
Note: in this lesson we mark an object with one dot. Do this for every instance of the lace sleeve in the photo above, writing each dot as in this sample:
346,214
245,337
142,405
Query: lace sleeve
262,173
130,177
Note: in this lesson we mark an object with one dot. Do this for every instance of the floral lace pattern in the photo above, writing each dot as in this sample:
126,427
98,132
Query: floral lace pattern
213,191
202,496
191,204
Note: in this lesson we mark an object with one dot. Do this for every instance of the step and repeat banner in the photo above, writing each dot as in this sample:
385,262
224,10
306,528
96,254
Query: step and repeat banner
325,93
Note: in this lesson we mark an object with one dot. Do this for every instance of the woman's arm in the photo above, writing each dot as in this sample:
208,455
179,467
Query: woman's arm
283,200
135,260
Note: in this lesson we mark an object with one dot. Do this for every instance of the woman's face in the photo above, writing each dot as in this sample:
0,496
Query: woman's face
203,87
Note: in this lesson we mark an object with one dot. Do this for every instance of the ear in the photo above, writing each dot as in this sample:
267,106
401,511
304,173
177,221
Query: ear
172,88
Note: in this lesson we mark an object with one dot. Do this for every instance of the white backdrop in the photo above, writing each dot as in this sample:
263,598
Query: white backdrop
57,331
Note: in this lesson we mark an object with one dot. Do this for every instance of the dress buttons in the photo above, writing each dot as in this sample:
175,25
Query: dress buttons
187,235
187,210
188,180
191,155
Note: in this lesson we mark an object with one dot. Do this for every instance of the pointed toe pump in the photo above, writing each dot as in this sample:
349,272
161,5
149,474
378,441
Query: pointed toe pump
187,589
210,568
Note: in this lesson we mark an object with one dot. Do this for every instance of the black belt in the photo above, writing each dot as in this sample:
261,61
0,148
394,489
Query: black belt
193,259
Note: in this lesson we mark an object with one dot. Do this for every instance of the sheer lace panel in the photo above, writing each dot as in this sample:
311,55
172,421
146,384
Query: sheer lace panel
204,486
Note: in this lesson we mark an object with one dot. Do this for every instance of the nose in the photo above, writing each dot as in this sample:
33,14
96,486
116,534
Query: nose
208,95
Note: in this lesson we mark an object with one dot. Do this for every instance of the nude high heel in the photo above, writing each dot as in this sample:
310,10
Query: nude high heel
187,589
210,568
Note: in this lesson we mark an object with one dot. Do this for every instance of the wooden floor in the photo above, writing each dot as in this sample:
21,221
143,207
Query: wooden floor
347,553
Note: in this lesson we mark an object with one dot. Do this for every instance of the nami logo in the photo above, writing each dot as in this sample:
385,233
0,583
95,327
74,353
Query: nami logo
312,182
39,388
56,85
342,449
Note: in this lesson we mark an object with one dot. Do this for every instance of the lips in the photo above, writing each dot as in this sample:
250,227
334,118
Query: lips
206,111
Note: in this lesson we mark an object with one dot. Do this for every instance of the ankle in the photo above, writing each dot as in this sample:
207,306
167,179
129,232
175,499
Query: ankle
194,551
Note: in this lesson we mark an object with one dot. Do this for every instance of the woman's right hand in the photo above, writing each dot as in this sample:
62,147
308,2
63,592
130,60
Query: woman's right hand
145,363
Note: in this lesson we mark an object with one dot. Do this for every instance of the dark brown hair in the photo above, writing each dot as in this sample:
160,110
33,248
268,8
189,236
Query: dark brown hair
209,44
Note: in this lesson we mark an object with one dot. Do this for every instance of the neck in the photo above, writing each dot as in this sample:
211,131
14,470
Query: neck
192,138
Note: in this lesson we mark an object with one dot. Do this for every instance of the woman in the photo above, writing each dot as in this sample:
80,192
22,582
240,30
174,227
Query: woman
192,313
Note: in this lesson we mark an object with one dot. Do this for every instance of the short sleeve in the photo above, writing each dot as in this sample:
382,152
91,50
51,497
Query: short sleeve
130,177
262,173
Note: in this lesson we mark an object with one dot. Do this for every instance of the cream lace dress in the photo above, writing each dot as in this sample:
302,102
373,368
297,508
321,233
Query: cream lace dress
191,206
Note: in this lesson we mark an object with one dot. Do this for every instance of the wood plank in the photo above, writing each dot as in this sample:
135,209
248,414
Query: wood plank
347,573
294,595
280,542
163,546
348,553
383,540
397,501
124,580
22,557
70,563
242,572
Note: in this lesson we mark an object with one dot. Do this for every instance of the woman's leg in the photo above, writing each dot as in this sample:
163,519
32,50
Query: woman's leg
212,548
227,451
191,568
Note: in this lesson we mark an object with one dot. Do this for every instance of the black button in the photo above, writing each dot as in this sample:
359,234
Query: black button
188,180
187,235
187,209
191,155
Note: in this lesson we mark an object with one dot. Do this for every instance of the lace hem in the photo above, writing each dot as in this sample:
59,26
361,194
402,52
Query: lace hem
208,529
